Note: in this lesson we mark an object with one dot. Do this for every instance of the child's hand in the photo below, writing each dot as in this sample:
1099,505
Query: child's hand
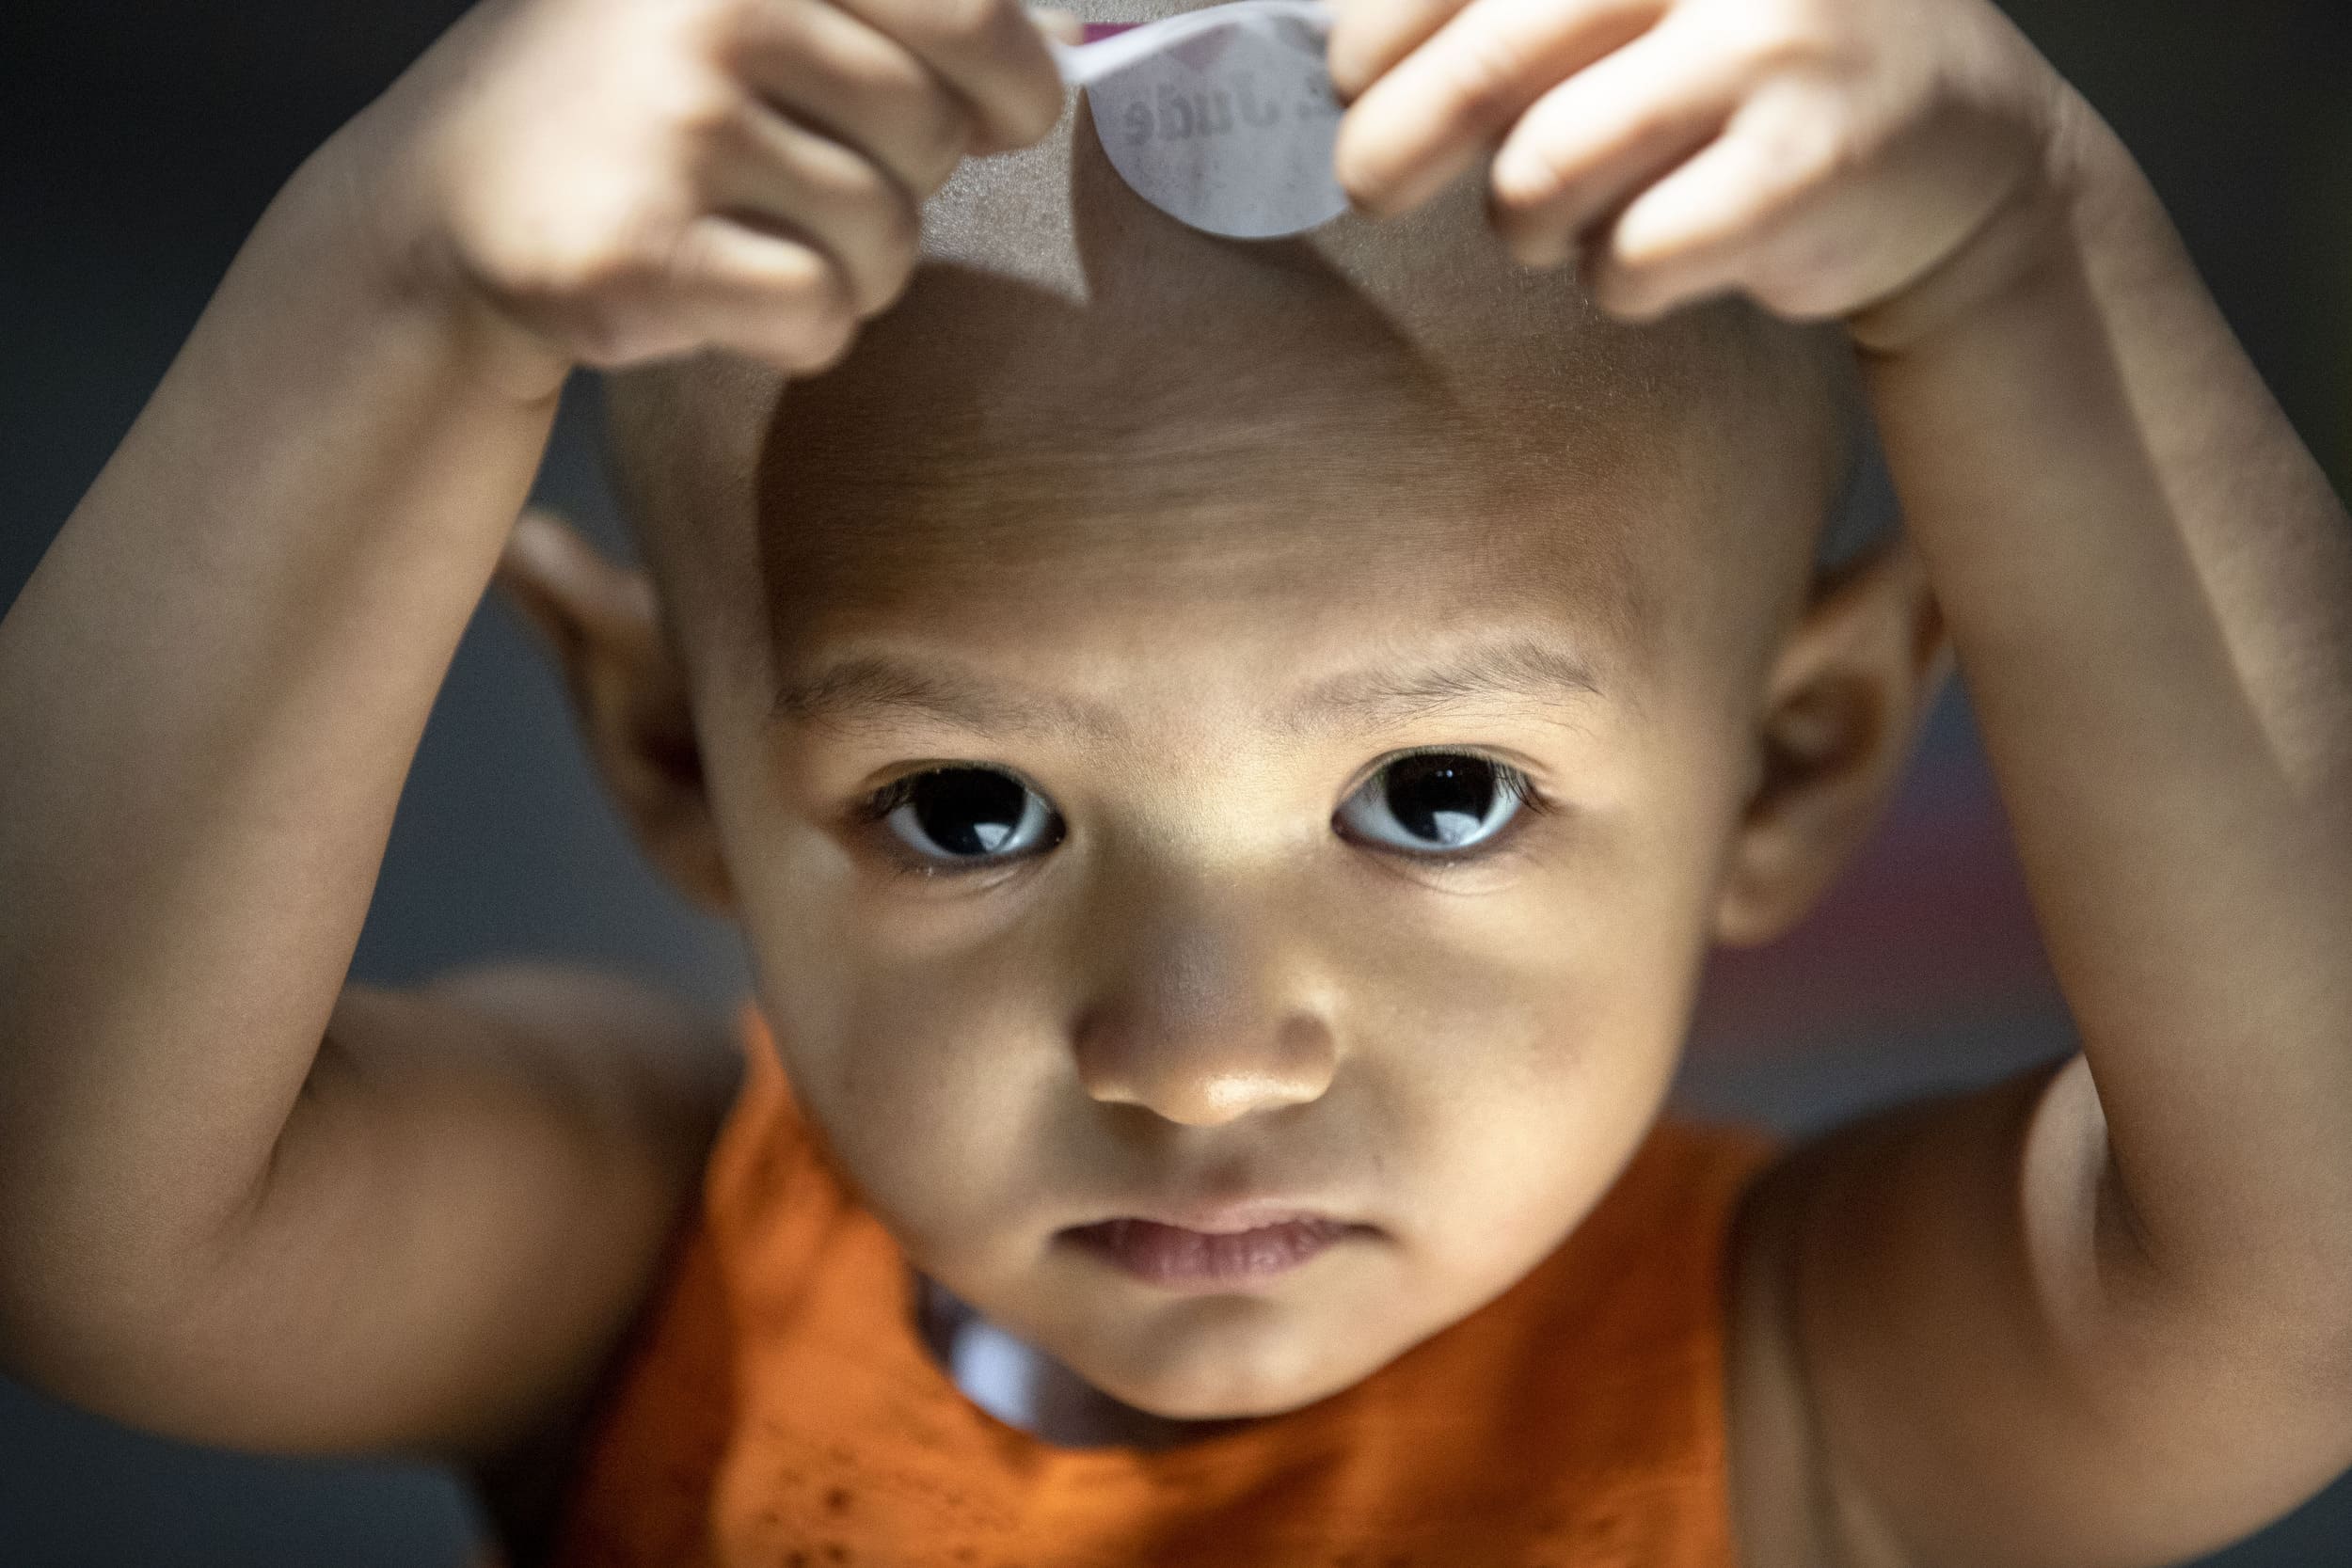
1820,155
625,179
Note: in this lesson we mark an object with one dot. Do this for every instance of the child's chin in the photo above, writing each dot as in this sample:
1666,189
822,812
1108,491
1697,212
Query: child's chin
1222,1389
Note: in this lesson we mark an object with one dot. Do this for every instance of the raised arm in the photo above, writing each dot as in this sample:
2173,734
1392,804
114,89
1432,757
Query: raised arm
240,1200
2109,1320
2103,1316
209,692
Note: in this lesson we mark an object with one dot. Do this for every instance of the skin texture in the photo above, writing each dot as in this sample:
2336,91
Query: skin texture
2096,1315
2072,430
1221,480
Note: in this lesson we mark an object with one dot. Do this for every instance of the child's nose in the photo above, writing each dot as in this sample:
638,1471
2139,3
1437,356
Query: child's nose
1203,1023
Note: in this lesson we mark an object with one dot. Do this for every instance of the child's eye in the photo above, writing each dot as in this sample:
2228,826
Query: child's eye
1436,803
966,816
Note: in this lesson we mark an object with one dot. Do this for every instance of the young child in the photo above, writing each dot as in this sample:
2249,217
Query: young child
1228,758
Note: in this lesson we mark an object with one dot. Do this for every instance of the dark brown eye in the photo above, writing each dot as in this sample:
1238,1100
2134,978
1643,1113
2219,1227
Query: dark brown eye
968,814
1435,803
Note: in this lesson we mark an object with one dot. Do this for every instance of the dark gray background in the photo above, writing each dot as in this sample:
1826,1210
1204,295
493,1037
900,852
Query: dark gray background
142,141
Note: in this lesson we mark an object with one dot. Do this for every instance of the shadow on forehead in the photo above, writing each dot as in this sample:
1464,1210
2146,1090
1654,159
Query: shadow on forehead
1163,372
1515,351
1069,359
1160,371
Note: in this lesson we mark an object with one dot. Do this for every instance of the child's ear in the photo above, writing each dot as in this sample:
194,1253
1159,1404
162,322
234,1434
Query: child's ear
1842,706
603,623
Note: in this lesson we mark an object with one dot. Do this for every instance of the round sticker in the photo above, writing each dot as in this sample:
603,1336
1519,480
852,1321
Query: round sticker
1222,118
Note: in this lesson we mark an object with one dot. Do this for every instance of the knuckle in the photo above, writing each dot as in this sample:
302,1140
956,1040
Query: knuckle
803,280
736,140
1481,82
672,255
922,125
1805,144
849,180
739,33
930,124
594,259
860,195
1767,39
699,105
937,133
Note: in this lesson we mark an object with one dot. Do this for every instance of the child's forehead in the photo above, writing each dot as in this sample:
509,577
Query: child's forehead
1056,220
987,438
1317,543
1066,342
1077,384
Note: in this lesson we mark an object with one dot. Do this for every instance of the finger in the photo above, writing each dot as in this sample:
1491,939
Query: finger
1813,212
768,295
989,51
1684,236
829,70
1598,138
1370,35
763,164
1690,233
1444,105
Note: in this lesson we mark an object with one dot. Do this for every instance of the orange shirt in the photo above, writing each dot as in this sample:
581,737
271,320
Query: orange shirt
778,1409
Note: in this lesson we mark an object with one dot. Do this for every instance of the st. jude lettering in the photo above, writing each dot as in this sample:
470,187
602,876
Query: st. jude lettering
1174,116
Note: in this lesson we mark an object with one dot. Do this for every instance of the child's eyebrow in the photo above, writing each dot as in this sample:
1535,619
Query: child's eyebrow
866,690
1522,665
870,690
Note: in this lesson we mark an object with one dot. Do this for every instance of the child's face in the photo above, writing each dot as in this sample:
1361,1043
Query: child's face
1125,819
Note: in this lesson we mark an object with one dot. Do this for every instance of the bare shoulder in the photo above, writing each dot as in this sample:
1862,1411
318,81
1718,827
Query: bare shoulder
1785,1512
651,1059
471,1200
1942,1353
668,1072
1879,1293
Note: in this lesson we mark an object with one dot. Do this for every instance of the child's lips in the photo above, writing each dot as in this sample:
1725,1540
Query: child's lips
1239,1244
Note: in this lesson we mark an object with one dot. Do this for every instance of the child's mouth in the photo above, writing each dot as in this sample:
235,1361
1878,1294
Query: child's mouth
1177,1259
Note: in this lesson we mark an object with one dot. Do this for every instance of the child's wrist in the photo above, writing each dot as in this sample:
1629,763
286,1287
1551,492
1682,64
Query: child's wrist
408,273
2001,266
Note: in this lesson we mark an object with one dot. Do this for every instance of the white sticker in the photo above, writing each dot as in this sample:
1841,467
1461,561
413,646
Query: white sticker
1222,118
